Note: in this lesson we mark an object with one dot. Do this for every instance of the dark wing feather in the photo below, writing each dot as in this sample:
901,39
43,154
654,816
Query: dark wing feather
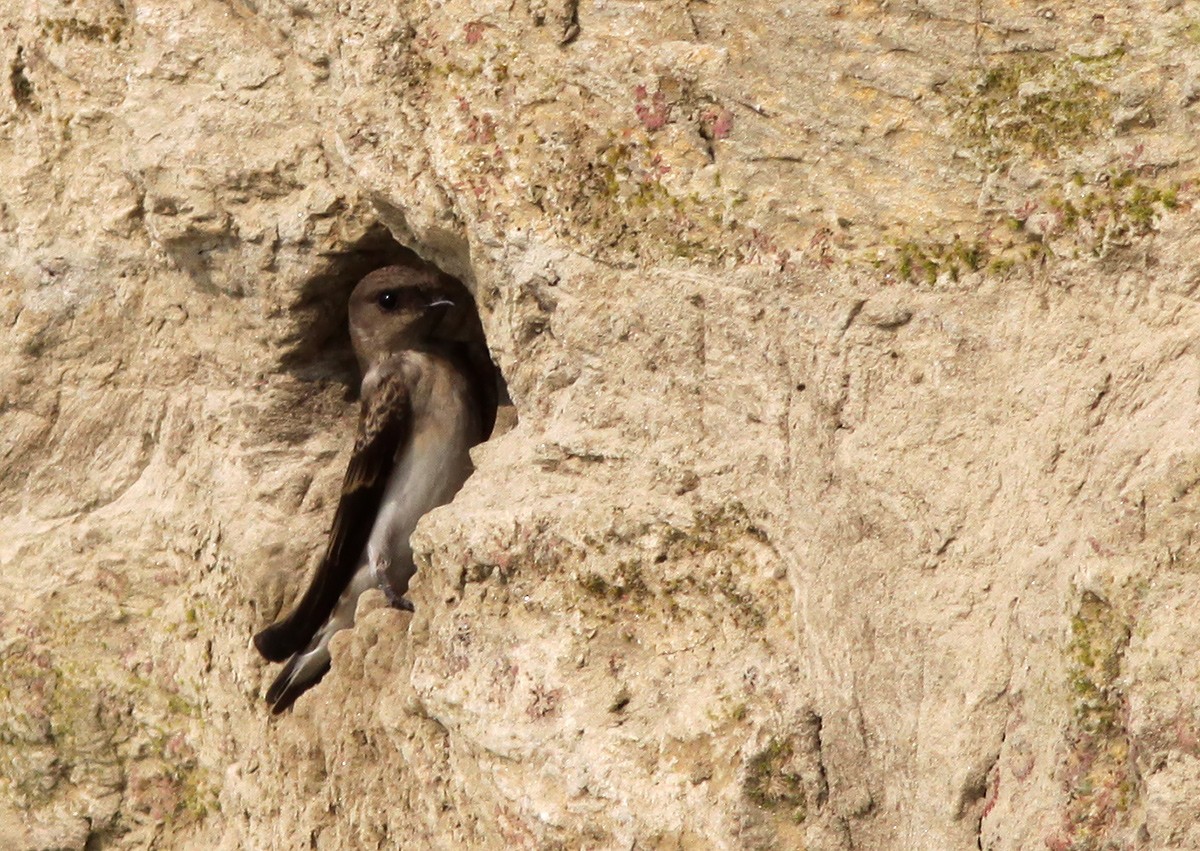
384,425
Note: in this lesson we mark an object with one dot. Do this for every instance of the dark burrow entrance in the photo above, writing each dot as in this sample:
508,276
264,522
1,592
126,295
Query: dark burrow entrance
433,392
319,347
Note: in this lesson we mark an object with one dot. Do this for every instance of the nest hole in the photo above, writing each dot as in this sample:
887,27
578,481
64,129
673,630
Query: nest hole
319,348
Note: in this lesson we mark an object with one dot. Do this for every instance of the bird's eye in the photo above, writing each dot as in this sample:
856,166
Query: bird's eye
388,300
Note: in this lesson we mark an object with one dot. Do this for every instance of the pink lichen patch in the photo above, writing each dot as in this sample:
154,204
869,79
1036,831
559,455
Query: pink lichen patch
717,122
152,792
652,110
473,32
481,130
543,702
759,248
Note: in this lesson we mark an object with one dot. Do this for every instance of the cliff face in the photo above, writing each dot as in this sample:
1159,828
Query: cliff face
852,499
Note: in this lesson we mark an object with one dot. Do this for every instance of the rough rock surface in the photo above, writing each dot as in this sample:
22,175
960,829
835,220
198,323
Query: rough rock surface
851,504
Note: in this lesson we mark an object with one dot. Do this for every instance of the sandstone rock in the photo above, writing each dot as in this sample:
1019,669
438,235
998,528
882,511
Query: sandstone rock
851,498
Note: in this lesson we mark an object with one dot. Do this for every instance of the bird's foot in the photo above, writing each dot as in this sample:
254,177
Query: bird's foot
397,601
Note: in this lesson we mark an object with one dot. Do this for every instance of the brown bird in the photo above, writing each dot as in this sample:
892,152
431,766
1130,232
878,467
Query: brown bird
429,393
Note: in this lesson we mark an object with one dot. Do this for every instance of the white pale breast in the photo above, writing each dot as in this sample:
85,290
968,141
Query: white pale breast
430,467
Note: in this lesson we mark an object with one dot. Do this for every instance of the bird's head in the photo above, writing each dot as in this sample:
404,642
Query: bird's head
403,307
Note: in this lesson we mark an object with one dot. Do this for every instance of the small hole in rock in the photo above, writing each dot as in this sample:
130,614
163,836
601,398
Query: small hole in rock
620,701
22,88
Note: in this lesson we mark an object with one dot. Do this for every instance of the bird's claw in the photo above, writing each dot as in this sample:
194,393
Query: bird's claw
397,601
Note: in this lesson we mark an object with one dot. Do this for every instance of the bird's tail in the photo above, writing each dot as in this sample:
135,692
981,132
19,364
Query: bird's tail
306,667
303,671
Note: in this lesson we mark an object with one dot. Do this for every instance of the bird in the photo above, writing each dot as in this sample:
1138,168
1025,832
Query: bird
429,393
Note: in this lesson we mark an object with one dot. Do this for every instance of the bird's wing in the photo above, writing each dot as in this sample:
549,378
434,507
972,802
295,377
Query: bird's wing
383,426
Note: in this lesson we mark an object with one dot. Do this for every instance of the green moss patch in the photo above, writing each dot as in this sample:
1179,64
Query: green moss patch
708,560
68,726
1100,778
108,30
1081,217
1035,105
772,782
